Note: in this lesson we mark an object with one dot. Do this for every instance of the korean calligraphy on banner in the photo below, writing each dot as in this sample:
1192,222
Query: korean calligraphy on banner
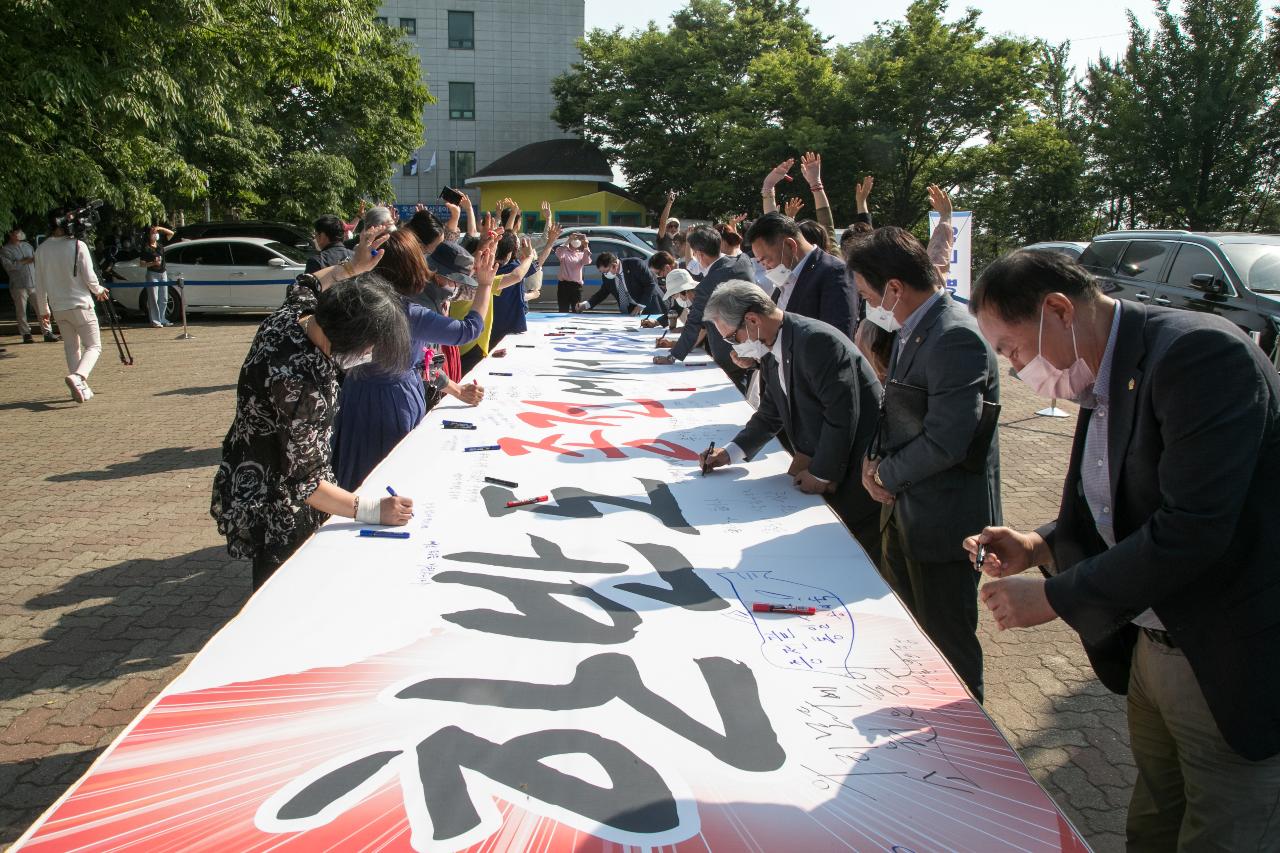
574,674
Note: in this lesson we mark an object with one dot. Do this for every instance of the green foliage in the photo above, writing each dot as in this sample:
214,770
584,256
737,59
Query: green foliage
1184,128
145,103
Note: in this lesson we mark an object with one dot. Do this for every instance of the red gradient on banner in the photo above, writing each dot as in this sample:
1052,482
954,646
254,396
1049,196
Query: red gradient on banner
194,771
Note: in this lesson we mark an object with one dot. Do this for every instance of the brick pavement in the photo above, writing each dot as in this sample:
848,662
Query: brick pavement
112,575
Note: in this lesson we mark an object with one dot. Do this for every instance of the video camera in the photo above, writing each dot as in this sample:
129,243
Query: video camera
78,222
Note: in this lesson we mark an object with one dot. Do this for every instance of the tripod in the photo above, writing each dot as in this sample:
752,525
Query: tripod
117,332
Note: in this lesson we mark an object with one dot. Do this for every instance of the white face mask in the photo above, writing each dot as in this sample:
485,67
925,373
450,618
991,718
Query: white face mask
751,349
348,360
575,244
1054,383
22,235
778,275
883,317
684,302
610,275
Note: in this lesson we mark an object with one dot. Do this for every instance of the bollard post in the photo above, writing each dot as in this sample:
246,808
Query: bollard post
182,300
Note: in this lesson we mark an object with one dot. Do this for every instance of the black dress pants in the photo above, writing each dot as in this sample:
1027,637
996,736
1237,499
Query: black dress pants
943,598
568,294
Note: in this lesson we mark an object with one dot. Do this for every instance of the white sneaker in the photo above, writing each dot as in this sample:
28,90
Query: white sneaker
79,391
88,392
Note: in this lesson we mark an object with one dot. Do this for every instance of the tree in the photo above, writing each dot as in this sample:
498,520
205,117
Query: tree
148,103
923,89
670,107
1184,128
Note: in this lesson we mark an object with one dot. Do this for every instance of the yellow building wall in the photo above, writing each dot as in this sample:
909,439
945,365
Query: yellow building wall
575,196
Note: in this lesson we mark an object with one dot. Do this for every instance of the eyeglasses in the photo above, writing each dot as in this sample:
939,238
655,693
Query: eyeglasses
732,337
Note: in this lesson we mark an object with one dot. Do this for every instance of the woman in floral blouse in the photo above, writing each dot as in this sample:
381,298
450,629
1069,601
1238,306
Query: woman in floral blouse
275,485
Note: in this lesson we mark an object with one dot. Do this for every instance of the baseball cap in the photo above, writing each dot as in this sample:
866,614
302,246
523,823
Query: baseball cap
453,262
678,281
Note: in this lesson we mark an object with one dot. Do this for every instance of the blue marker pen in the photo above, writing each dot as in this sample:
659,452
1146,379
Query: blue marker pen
485,447
369,533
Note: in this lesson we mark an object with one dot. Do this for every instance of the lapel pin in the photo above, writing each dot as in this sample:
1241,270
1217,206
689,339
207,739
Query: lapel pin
919,339
1132,384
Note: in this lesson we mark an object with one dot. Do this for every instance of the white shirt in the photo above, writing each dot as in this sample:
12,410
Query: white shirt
789,286
55,281
21,276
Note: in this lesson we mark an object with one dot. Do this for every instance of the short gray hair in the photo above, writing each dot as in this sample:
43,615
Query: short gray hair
378,215
733,299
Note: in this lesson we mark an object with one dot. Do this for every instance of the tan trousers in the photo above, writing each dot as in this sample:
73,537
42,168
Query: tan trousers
1193,791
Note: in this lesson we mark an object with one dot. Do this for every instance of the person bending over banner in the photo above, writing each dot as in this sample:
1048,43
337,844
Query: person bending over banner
275,485
817,389
1163,554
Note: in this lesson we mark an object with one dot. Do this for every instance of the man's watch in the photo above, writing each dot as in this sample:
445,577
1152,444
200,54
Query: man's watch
875,475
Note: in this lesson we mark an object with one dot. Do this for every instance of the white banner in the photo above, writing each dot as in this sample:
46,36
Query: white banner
960,276
574,673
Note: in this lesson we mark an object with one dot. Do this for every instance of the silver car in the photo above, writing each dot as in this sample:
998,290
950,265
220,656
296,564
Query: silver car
219,275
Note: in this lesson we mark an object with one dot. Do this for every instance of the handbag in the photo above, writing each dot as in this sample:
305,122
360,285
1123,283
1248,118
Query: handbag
902,411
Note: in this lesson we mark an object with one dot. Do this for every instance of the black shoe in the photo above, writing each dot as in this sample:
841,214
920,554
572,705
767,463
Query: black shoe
27,339
51,338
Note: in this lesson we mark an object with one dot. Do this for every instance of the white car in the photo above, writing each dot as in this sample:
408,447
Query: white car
219,275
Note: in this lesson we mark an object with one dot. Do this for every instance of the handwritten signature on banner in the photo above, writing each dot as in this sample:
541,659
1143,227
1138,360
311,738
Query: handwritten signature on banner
597,417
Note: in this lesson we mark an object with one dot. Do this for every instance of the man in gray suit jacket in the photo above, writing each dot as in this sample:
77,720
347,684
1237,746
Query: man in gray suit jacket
705,243
817,389
938,485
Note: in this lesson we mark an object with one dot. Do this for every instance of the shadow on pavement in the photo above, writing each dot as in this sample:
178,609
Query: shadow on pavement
195,392
146,614
151,462
31,786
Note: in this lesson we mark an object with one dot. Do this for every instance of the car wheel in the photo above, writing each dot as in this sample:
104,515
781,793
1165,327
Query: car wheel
173,313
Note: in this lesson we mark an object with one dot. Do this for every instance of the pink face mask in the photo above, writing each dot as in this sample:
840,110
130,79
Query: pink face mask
1055,383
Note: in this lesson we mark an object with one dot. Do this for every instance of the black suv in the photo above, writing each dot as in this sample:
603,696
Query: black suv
281,232
1233,275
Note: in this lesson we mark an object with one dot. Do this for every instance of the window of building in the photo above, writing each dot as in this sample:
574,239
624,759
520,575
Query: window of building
407,170
533,223
630,220
462,165
462,101
462,30
577,217
380,19
409,26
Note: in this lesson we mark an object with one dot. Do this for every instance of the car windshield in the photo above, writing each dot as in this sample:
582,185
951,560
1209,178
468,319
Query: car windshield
651,239
1258,265
293,253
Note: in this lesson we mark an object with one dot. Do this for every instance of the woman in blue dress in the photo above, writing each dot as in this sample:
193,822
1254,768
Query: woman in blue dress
377,409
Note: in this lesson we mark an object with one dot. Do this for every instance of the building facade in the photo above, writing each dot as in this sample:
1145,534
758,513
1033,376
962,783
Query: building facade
489,65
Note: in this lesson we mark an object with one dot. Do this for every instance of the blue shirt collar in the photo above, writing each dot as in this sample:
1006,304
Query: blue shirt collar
917,315
1102,383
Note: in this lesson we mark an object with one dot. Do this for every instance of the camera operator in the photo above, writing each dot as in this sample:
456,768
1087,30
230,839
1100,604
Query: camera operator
66,283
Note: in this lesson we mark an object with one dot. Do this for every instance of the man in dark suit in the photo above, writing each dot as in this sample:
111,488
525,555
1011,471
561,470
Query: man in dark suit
817,389
1165,556
642,285
704,241
611,284
942,482
808,281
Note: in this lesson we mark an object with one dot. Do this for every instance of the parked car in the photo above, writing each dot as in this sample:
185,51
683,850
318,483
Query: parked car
645,238
1070,248
280,232
220,275
590,275
1233,275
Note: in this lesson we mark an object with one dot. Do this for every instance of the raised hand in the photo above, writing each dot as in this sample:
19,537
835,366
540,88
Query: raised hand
526,248
554,231
671,196
779,172
793,206
939,200
367,255
862,192
486,266
811,168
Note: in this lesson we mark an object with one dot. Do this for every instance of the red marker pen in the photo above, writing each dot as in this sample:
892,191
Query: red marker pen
682,389
537,500
761,607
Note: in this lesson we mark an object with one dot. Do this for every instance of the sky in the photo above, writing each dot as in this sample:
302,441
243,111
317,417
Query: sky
1093,26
